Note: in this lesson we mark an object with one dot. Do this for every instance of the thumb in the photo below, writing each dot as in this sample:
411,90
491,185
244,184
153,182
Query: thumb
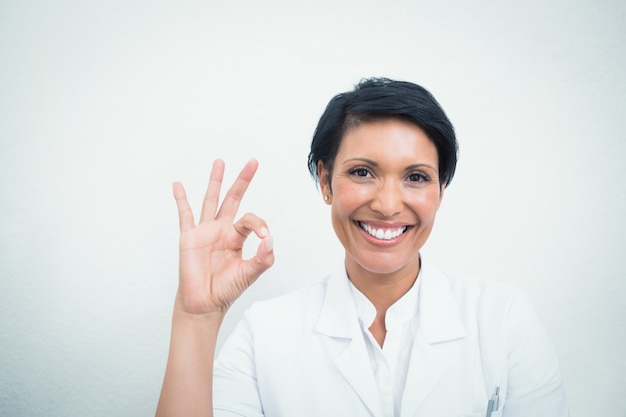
263,259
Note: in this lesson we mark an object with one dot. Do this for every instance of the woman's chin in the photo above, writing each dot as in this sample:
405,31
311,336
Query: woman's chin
383,265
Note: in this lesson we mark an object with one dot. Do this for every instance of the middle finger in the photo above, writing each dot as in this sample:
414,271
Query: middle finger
235,194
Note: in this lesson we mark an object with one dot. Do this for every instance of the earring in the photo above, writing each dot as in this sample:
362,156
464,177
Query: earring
326,198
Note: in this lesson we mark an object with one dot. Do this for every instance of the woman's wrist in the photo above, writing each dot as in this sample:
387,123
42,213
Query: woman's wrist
215,317
182,309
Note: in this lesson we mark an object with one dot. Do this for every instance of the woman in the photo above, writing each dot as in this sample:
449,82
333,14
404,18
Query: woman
387,333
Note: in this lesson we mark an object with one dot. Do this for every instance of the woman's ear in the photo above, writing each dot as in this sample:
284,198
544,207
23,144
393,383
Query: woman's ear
324,178
442,189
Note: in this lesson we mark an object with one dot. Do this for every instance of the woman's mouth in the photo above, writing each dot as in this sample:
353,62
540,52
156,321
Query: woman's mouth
382,233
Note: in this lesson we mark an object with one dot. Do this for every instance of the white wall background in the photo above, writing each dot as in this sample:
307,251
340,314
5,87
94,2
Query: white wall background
104,104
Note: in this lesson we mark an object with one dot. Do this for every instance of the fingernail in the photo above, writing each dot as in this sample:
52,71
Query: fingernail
264,232
269,243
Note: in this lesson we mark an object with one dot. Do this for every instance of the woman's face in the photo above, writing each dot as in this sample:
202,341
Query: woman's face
385,194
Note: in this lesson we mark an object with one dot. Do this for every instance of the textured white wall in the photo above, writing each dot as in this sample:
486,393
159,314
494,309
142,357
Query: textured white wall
104,104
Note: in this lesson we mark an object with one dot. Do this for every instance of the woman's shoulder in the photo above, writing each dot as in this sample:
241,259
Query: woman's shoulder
292,304
498,310
483,298
474,287
484,288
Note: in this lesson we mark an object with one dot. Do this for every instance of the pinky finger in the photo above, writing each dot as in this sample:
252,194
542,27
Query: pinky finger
185,215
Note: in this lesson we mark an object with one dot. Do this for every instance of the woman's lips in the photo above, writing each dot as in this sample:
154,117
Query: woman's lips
382,233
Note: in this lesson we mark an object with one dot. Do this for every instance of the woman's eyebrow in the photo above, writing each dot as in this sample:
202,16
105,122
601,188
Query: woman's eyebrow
369,161
414,166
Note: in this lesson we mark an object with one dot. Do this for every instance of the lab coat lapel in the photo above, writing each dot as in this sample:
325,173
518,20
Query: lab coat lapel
339,321
437,341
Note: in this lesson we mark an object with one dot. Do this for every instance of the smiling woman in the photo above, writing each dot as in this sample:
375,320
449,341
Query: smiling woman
384,184
387,333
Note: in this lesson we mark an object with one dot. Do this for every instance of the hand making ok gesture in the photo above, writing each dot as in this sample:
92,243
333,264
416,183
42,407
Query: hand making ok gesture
212,273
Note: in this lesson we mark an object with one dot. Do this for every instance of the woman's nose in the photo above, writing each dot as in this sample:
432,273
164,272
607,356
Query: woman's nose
388,199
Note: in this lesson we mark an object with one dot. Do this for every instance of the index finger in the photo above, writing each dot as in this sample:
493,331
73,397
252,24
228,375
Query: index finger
235,194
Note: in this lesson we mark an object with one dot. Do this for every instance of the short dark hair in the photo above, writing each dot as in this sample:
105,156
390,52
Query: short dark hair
374,99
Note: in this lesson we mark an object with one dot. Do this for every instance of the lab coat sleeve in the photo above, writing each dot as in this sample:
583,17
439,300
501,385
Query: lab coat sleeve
534,386
235,388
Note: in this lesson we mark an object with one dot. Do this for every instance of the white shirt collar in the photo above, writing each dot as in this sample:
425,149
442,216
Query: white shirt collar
397,314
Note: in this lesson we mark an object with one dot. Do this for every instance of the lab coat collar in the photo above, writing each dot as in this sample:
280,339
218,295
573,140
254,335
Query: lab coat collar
435,346
338,316
339,321
439,321
439,316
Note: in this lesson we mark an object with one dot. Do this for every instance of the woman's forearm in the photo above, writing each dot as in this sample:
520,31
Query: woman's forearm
188,383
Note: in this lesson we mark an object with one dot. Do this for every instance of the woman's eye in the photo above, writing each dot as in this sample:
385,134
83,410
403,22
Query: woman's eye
360,172
419,177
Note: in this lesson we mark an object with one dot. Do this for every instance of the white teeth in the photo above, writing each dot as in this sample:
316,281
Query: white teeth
381,233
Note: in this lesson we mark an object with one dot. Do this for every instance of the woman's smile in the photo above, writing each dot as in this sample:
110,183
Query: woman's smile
382,232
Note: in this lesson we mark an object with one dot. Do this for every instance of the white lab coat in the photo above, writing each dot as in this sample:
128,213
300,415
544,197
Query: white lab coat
304,354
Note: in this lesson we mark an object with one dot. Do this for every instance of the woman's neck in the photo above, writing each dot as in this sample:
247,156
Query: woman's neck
383,290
